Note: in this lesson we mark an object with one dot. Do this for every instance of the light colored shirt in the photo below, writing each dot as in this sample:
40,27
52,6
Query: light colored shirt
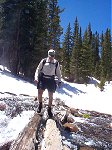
48,69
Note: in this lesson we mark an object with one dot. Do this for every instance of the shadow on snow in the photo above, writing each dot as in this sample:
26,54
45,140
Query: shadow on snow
67,89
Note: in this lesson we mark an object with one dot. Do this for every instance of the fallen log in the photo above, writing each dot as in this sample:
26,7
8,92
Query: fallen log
52,138
25,139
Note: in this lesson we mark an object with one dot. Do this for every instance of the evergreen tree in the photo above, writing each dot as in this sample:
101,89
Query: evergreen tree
90,48
10,32
106,55
40,38
80,38
75,56
27,36
95,55
28,27
67,50
85,58
89,31
54,29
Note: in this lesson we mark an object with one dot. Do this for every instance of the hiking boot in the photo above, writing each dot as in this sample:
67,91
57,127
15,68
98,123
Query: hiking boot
49,112
39,108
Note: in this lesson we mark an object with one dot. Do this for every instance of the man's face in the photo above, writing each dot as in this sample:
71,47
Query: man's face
51,57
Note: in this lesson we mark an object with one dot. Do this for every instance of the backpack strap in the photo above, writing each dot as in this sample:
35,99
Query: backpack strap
43,63
56,66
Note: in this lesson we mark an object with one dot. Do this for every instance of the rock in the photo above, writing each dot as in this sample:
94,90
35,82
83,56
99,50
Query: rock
2,106
70,119
62,116
71,127
6,146
73,111
86,148
52,137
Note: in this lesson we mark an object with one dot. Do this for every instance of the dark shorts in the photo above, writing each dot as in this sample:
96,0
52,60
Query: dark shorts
47,83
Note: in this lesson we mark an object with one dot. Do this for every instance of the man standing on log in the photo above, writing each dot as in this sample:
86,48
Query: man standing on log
45,74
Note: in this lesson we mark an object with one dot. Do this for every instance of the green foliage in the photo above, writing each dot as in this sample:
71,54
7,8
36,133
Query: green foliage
75,55
106,55
29,28
67,49
54,28
102,83
87,116
85,57
95,58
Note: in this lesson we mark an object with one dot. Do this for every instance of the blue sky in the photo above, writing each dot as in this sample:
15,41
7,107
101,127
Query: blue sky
97,12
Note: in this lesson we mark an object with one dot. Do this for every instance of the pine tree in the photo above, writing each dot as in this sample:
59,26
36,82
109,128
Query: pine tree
74,62
54,29
27,36
10,32
20,31
90,48
95,55
80,38
67,50
85,58
28,27
106,55
40,38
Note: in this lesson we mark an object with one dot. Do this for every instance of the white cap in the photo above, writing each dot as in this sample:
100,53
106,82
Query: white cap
51,52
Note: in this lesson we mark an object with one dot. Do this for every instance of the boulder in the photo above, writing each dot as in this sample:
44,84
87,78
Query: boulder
73,111
86,148
71,127
70,119
2,106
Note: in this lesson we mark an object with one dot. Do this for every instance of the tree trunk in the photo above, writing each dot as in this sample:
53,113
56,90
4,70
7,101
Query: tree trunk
25,139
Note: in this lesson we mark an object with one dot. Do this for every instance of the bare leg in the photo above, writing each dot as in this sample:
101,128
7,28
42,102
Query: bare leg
40,93
50,98
50,104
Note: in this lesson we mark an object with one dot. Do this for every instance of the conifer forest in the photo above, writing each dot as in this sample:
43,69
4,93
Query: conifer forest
29,28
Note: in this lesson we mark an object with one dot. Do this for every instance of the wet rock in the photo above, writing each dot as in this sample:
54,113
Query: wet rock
2,106
71,127
86,148
100,121
70,119
91,126
6,146
62,116
73,111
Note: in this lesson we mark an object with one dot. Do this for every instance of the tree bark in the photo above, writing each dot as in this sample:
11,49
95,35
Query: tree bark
25,139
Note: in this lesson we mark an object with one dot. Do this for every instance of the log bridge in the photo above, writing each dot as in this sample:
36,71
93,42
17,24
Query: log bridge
27,139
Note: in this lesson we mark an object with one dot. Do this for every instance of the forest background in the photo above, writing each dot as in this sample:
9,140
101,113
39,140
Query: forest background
29,28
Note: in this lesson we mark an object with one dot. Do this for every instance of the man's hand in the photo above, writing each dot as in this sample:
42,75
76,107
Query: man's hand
35,81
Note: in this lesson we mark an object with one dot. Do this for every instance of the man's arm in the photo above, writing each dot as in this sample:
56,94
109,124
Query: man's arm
38,71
